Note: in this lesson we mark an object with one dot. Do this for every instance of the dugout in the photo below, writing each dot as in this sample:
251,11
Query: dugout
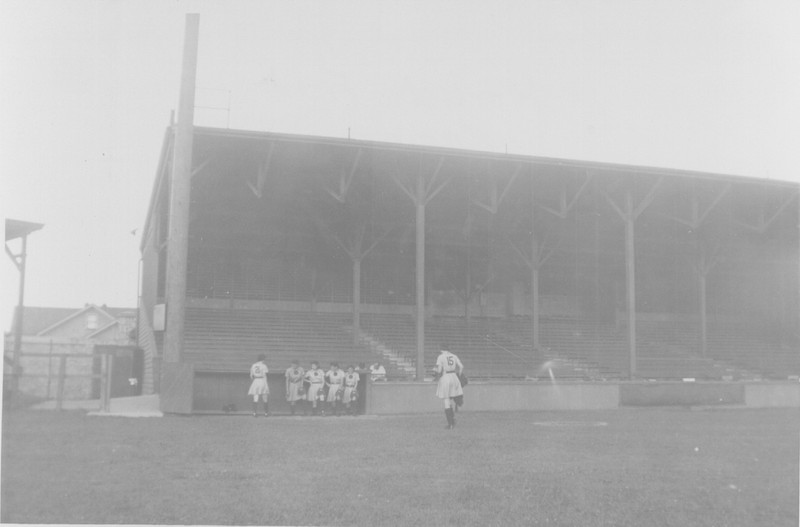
226,392
127,370
320,248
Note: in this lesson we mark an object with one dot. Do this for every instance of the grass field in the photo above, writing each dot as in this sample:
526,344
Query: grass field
629,467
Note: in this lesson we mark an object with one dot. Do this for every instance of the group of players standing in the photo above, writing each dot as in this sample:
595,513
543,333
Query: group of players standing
325,392
329,390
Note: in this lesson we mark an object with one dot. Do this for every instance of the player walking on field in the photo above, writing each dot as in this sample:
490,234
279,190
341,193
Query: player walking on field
350,389
315,378
259,387
335,379
448,369
294,384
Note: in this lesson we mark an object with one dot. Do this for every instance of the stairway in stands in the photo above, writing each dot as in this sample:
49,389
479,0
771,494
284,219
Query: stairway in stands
389,356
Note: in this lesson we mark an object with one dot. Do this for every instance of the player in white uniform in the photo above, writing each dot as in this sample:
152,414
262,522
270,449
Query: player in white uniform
335,380
350,389
259,386
448,368
378,372
315,378
294,384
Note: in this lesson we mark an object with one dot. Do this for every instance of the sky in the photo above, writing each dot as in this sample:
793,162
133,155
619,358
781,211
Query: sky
87,87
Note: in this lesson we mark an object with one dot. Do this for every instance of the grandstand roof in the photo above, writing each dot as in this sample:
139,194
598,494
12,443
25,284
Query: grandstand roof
240,150
477,154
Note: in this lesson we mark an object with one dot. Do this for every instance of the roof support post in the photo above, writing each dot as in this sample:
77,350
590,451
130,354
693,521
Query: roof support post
630,275
705,263
535,263
420,274
701,280
180,190
535,311
629,213
356,299
420,195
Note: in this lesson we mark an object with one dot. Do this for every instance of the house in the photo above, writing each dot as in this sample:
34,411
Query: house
48,333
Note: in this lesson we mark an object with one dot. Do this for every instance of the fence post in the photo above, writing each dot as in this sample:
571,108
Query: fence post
49,368
62,373
109,370
103,368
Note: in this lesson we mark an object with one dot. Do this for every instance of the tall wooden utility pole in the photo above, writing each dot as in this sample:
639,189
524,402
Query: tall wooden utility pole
19,229
180,189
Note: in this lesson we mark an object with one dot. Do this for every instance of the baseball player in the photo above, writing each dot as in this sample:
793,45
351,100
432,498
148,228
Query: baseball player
259,386
350,389
315,378
294,384
335,380
448,368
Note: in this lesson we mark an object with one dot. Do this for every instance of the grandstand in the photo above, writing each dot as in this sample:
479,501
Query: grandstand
307,248
230,340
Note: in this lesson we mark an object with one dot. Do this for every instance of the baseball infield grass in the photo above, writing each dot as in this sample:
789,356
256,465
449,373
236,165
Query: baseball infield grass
629,467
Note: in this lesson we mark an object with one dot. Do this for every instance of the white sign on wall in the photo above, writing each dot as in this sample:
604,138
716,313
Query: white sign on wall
159,317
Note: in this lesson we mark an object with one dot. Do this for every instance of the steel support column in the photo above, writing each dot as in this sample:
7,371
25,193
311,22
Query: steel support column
420,275
356,299
630,274
701,279
535,296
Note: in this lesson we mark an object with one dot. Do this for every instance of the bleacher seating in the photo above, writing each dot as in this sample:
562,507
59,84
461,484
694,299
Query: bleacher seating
742,348
231,339
673,349
594,350
493,347
669,350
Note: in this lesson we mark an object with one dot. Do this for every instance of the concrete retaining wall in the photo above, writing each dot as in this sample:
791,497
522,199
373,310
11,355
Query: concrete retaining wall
213,390
405,398
770,395
681,394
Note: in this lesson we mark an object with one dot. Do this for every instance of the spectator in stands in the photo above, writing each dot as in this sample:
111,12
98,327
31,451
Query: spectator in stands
259,386
335,380
377,372
315,378
294,384
350,389
448,369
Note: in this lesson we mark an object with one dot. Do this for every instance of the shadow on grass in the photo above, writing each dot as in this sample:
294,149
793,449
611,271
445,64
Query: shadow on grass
19,401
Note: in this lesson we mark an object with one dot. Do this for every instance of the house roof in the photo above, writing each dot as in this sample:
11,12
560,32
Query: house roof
103,329
37,320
